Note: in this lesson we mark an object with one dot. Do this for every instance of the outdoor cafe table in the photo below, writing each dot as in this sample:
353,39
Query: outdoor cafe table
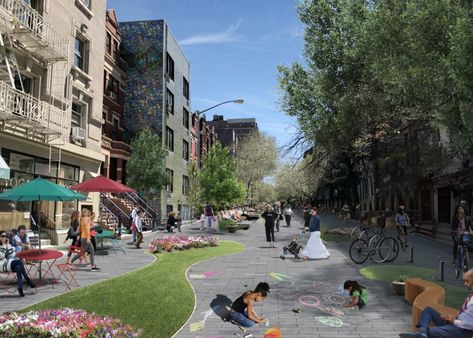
101,237
48,256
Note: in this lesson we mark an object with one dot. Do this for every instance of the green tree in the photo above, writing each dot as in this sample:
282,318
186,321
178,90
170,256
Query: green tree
255,158
146,167
216,181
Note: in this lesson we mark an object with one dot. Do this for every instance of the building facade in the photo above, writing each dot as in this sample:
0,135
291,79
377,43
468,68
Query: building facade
51,72
230,132
158,96
114,145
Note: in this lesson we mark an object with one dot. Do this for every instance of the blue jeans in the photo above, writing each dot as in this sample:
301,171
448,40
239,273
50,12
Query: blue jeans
442,329
241,319
18,267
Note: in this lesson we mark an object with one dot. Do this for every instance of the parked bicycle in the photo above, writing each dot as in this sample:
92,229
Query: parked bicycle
461,263
379,248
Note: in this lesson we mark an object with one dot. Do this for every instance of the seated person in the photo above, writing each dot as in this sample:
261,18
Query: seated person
22,240
10,263
460,326
171,222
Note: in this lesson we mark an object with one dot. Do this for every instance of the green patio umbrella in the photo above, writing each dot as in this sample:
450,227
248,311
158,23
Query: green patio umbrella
40,189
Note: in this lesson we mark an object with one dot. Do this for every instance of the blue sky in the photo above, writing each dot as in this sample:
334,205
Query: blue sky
234,47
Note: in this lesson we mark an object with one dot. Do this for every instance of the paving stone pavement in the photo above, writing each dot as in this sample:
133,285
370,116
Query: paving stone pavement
310,282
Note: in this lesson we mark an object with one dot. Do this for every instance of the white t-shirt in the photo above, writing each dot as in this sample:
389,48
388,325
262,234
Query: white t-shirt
288,211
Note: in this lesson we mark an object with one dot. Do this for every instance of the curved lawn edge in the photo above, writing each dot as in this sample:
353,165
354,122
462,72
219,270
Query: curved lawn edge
192,286
454,295
157,298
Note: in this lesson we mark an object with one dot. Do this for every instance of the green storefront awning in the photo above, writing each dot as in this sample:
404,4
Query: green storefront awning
4,169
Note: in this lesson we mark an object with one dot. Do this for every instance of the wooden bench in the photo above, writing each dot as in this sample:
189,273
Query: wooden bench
421,294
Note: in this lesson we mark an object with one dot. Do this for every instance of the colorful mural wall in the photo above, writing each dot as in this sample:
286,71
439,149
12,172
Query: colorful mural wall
142,49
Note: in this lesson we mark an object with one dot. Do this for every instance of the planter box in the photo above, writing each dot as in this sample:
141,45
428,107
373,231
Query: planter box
232,228
399,287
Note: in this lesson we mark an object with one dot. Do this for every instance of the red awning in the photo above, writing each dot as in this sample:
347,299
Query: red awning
101,184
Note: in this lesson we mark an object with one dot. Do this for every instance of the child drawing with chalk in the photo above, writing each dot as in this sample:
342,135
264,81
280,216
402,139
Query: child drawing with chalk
358,293
242,312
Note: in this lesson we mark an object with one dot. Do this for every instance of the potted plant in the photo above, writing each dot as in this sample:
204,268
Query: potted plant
399,284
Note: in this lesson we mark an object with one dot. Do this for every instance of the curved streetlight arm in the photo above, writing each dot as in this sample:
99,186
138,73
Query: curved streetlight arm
239,101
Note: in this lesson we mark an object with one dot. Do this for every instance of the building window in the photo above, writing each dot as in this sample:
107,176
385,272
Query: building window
185,89
185,118
185,185
113,88
108,44
116,122
76,117
86,3
170,177
115,50
104,125
79,55
169,66
169,139
185,150
169,102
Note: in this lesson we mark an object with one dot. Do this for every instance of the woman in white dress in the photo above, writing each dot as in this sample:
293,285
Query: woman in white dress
315,249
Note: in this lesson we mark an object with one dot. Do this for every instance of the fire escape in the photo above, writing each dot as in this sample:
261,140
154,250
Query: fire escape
30,45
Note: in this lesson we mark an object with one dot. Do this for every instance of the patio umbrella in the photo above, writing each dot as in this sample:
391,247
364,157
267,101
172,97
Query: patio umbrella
40,189
101,184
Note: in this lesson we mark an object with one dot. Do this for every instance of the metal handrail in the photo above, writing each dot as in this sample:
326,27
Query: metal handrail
115,220
19,103
113,203
34,22
149,210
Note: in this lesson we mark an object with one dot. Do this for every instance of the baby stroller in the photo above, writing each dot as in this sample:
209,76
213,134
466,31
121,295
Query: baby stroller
295,246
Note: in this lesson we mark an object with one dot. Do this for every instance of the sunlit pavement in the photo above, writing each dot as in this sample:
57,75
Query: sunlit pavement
310,288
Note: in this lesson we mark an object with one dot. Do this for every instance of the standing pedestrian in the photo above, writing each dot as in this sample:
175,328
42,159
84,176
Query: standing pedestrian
307,215
315,249
73,233
139,229
86,244
288,215
278,211
269,217
133,214
209,213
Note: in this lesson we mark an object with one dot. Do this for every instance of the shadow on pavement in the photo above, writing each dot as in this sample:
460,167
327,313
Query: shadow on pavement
220,306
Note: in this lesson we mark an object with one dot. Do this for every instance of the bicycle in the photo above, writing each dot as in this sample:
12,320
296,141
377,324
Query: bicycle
462,261
379,248
403,235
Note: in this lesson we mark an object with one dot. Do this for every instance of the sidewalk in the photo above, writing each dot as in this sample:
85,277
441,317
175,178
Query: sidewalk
308,282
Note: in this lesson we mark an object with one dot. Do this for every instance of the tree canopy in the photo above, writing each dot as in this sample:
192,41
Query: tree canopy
256,157
376,72
216,181
146,166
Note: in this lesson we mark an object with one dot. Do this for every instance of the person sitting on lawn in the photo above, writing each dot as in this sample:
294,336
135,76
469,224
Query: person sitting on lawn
459,326
242,312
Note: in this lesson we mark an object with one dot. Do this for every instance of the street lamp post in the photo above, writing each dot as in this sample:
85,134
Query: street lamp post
239,101
199,112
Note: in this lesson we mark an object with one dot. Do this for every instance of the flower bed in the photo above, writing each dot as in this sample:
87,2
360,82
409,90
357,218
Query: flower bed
170,243
61,323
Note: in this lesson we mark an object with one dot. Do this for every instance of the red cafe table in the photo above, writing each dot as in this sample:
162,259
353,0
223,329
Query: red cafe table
48,256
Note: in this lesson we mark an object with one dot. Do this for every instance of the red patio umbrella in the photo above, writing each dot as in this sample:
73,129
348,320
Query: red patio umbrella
101,184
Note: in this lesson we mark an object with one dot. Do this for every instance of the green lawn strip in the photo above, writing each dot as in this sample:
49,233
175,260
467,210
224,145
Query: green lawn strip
157,298
454,295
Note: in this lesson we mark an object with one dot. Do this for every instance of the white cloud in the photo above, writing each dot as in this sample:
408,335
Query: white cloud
220,37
